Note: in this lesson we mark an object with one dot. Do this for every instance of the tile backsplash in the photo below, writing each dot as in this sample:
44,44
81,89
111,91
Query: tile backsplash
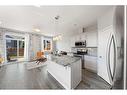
92,51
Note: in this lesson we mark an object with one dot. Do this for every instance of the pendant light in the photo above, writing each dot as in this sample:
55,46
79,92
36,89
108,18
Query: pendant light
56,37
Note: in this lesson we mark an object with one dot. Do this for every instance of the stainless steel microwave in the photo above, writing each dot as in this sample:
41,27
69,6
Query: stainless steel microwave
80,43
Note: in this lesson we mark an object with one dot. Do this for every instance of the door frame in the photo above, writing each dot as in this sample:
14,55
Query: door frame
13,34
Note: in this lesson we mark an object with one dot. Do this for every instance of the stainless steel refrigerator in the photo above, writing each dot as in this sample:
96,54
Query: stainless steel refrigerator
111,47
116,50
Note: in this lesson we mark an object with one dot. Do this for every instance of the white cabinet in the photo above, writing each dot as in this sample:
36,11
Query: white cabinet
83,36
73,39
91,63
68,76
78,37
91,39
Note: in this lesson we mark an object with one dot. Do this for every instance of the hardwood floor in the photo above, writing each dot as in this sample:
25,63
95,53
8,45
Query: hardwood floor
16,76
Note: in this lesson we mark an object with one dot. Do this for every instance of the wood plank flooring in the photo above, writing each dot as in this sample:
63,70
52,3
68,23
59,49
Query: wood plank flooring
16,76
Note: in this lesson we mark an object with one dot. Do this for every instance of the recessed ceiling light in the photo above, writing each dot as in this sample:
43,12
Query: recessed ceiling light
0,22
37,5
37,30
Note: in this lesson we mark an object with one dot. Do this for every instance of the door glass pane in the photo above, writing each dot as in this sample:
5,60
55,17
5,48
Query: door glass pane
11,50
14,48
21,48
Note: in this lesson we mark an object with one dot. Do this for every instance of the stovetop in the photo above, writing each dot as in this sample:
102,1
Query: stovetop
81,53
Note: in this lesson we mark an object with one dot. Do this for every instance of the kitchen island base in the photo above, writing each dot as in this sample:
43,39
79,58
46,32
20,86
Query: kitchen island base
68,76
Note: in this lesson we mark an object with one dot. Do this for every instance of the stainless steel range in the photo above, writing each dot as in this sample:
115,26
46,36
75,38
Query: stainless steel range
80,52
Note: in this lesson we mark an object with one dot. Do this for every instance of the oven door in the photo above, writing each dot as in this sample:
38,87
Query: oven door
82,59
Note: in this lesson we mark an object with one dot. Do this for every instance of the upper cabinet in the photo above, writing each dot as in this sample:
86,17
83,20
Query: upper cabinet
90,35
83,36
79,37
91,39
73,41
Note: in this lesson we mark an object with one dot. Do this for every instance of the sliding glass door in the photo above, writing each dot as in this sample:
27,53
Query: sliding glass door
21,49
14,48
11,50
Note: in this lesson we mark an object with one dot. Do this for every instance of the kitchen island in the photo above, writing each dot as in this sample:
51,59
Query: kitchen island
66,70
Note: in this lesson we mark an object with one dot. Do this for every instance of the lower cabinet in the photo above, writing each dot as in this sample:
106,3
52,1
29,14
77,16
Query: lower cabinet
68,76
90,63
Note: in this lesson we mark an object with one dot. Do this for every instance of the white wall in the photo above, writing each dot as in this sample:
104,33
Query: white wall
90,35
64,44
105,20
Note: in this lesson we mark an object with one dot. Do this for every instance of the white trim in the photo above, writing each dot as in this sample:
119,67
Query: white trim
26,53
14,34
14,39
5,55
23,32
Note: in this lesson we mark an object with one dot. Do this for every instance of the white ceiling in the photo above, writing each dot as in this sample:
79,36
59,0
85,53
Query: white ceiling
25,18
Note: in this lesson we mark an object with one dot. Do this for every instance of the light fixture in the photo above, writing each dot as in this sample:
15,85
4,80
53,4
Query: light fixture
0,22
57,37
37,30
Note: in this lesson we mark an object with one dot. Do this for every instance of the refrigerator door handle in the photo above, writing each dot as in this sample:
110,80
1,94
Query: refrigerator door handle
111,58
